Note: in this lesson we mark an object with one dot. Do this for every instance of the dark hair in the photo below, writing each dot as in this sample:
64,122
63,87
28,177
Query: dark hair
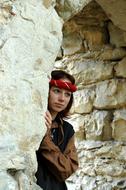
60,74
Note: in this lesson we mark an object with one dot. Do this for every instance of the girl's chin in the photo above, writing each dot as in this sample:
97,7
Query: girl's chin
58,109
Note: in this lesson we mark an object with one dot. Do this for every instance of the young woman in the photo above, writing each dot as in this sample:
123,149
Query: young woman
57,156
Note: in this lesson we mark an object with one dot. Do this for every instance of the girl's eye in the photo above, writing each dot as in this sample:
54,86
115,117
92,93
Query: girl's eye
56,90
68,94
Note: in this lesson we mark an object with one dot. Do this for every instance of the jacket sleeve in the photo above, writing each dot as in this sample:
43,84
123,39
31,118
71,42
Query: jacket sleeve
61,165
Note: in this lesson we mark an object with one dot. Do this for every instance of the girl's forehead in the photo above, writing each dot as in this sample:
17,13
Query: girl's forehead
61,89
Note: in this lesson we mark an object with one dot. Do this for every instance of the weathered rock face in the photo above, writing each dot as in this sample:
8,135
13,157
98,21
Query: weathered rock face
116,11
94,51
30,37
68,8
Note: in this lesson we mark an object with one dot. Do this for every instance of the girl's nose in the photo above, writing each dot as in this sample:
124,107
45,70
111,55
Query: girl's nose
61,97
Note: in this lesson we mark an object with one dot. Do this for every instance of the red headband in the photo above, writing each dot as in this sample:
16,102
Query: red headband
63,84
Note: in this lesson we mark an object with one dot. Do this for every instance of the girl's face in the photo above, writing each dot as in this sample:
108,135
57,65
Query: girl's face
58,98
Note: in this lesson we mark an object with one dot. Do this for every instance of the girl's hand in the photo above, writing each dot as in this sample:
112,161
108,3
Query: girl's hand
48,119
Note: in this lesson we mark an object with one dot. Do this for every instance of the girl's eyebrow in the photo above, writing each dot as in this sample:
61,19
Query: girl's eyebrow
56,87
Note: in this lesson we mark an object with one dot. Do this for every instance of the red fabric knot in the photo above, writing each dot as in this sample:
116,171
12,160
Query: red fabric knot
63,84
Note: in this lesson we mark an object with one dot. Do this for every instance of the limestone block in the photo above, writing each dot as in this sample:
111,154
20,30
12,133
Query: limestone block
120,68
117,36
106,156
122,153
87,71
115,167
90,145
111,167
83,101
97,165
110,54
87,28
115,11
77,121
110,94
94,126
82,40
119,125
93,39
97,126
68,8
72,43
59,65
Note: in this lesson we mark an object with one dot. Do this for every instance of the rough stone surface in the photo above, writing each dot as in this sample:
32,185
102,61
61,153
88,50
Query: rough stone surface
120,68
69,8
30,38
119,125
110,94
83,101
97,61
87,70
98,167
116,11
117,36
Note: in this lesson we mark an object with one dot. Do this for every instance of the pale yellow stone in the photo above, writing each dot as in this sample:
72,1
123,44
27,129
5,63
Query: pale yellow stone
113,54
115,11
119,125
117,36
97,126
83,101
87,71
120,68
111,94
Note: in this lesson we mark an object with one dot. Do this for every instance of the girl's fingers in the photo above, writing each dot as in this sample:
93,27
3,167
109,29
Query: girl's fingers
48,115
48,119
48,123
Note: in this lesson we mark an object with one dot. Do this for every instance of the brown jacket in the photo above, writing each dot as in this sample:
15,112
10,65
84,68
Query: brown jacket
57,157
63,164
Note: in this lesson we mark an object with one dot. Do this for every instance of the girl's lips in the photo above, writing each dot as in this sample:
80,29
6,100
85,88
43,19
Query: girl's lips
59,105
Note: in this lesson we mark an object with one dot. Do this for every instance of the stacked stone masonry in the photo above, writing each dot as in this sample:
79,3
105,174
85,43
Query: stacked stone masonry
94,51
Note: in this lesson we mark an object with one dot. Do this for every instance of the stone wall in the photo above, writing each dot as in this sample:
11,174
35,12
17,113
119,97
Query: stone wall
94,51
